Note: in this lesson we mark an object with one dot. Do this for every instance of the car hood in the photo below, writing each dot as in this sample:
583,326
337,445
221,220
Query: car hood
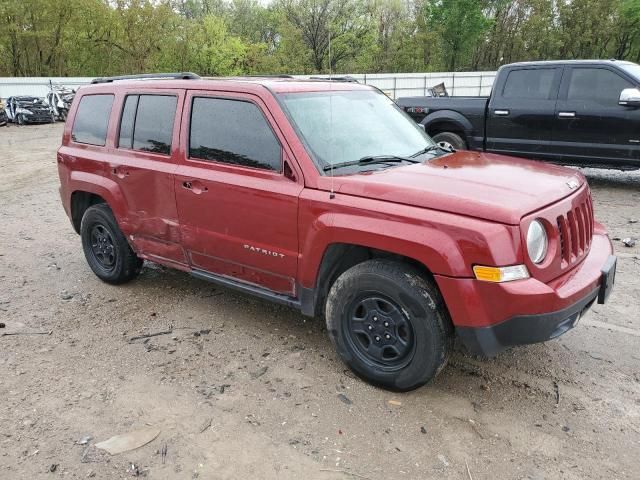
481,185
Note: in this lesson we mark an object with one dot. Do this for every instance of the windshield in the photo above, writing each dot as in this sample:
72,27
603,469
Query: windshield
23,102
345,126
633,69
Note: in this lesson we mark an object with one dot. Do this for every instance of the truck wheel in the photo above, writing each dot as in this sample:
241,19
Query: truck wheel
389,324
106,249
450,140
20,120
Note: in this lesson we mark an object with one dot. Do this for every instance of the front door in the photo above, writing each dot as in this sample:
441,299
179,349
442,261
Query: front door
236,194
590,126
520,112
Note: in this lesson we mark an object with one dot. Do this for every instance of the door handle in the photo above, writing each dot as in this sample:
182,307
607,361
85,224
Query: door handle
194,186
566,114
501,113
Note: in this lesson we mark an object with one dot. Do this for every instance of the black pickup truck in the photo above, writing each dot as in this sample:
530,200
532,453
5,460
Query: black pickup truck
576,112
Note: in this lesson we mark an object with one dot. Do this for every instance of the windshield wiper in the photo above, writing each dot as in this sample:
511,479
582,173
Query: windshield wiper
371,159
432,148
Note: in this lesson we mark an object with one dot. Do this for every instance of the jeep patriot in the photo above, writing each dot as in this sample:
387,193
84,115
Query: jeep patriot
326,197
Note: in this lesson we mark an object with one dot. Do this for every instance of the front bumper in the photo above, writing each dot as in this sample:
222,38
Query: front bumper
490,317
38,118
524,329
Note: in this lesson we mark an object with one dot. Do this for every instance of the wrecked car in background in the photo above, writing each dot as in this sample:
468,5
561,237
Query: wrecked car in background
24,109
59,100
3,115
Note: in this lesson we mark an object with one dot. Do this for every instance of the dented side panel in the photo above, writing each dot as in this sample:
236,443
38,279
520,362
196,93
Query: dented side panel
138,186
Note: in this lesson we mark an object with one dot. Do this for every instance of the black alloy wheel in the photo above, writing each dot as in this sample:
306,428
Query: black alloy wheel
105,247
389,324
102,247
379,332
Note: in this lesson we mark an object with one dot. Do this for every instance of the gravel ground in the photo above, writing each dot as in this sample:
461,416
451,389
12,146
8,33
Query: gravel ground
246,389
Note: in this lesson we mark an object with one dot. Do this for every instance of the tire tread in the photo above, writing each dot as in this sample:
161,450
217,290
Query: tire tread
130,264
398,273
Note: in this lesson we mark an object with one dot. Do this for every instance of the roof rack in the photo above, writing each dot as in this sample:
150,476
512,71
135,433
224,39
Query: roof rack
336,78
278,75
148,76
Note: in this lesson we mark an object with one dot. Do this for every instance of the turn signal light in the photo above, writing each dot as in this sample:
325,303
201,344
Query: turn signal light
500,274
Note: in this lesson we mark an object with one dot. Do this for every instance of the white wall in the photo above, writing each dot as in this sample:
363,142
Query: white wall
394,84
36,86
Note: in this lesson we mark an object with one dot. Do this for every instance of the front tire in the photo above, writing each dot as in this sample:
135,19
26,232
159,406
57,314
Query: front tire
20,120
389,324
106,249
450,140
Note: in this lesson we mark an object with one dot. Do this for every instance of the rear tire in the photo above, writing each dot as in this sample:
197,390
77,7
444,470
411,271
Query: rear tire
106,249
450,139
389,324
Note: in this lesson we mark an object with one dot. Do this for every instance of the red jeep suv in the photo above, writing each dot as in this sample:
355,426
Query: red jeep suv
326,197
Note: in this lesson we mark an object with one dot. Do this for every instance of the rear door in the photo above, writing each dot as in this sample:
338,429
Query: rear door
143,163
590,126
237,192
521,109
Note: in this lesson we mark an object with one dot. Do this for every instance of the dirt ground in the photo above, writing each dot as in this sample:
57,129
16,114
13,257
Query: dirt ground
245,389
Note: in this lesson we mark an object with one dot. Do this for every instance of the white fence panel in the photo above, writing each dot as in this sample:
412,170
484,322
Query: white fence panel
36,86
397,85
394,84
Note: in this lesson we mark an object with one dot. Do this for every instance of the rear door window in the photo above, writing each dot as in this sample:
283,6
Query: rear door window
147,123
233,131
529,84
92,120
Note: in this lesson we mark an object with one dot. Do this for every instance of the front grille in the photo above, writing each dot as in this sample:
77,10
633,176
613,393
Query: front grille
575,230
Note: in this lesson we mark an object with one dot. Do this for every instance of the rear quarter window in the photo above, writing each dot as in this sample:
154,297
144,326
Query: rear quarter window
92,119
147,123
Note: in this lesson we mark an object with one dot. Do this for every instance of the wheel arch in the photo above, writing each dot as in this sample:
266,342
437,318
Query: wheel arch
80,202
88,189
337,258
448,121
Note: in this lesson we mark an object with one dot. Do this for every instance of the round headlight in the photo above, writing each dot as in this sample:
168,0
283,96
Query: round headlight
537,242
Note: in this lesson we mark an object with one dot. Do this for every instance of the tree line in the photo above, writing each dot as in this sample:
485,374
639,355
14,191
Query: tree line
231,37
